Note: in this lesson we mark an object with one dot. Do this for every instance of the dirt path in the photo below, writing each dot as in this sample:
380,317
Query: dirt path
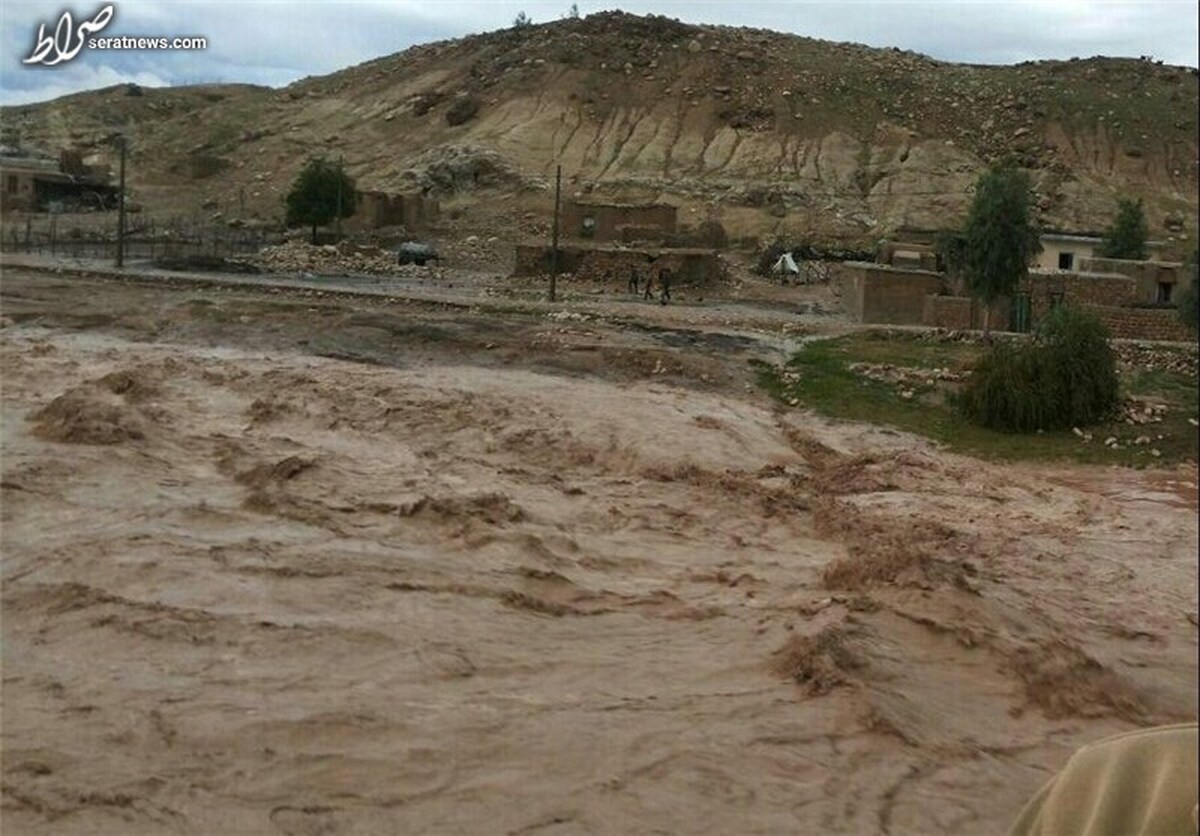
277,565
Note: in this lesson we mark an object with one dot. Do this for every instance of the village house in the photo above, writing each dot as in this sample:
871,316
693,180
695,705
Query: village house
35,183
1135,298
1065,250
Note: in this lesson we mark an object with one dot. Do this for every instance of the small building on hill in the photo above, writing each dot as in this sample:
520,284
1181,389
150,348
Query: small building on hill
377,209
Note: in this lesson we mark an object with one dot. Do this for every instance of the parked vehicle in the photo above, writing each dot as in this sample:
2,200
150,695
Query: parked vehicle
414,252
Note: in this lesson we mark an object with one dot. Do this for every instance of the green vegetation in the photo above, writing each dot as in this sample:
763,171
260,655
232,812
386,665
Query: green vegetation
322,192
818,377
1066,376
999,238
1126,238
1189,301
951,248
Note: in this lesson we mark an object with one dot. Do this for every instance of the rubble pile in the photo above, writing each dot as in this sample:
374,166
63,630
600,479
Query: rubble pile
340,260
1157,358
476,251
1138,411
908,378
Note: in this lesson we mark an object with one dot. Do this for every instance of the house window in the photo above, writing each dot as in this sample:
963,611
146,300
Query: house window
1066,261
1164,292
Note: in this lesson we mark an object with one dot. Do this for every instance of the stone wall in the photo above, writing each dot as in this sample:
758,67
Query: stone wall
1143,323
877,293
962,313
1077,288
950,312
908,255
604,264
1147,274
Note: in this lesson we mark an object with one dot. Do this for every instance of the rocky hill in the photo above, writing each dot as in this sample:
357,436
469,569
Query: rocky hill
770,133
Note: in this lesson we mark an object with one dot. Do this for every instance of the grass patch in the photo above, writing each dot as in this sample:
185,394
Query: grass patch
818,377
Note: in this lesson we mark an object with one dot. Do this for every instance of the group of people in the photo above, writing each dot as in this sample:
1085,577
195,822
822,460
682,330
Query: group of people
664,284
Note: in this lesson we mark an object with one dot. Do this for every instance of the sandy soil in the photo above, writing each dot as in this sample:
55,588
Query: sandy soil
321,566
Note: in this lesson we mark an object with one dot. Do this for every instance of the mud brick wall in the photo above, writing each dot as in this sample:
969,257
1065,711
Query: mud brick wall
695,267
1082,289
631,233
952,312
962,313
380,209
874,293
1147,274
1143,323
611,218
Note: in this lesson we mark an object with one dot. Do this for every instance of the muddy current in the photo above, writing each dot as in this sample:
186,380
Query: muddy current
252,589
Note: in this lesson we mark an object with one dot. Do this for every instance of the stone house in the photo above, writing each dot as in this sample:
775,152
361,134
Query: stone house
1065,250
887,294
40,184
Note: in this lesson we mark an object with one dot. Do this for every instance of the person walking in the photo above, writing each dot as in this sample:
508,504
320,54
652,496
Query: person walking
633,280
664,282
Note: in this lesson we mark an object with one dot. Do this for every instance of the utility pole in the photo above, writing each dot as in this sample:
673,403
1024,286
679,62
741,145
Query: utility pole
554,234
121,211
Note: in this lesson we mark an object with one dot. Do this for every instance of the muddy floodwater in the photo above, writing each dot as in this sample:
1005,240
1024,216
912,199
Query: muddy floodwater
289,565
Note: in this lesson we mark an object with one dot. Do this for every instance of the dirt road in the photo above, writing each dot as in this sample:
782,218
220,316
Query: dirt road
284,564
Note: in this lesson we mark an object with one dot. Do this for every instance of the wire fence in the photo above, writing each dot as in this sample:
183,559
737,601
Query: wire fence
145,238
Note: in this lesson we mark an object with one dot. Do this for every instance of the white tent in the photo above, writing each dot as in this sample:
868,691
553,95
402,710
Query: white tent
786,265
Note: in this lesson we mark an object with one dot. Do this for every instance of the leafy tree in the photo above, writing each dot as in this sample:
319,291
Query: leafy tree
951,248
1065,377
1126,238
320,190
999,238
573,12
521,20
1189,300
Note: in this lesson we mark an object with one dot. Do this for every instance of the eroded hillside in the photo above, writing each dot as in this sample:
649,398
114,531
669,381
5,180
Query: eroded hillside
782,133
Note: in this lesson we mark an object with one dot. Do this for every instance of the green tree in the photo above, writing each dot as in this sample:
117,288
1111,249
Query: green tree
1126,238
951,248
522,20
999,238
322,191
1189,300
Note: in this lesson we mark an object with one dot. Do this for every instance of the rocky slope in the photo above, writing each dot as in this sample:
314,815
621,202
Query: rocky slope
772,133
